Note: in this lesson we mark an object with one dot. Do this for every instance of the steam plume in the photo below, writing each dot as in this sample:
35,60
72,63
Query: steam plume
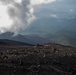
17,14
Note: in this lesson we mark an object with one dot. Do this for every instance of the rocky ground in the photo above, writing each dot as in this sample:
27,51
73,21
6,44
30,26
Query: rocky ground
47,59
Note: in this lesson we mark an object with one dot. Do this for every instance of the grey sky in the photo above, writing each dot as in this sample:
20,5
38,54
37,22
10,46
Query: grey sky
37,16
54,17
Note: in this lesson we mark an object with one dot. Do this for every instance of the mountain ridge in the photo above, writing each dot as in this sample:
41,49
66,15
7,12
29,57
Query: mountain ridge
12,42
24,38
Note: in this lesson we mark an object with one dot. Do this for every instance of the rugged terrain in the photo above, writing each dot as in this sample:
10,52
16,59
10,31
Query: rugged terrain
47,59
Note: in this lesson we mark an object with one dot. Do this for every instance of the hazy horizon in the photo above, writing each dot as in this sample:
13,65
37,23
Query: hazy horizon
53,19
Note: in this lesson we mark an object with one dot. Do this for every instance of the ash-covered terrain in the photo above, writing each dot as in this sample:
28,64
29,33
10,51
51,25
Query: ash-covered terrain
47,59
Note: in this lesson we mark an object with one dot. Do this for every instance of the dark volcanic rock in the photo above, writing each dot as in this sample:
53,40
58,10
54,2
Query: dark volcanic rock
47,59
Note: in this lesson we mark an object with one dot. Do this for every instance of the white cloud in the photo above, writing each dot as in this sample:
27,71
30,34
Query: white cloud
18,14
5,20
35,2
18,1
71,10
54,15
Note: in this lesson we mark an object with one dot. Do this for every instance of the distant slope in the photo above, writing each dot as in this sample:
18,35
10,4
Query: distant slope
64,37
11,42
24,38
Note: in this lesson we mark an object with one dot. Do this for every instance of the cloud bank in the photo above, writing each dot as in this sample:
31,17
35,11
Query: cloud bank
16,15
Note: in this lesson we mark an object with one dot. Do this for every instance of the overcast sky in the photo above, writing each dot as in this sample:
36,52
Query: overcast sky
36,16
55,16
